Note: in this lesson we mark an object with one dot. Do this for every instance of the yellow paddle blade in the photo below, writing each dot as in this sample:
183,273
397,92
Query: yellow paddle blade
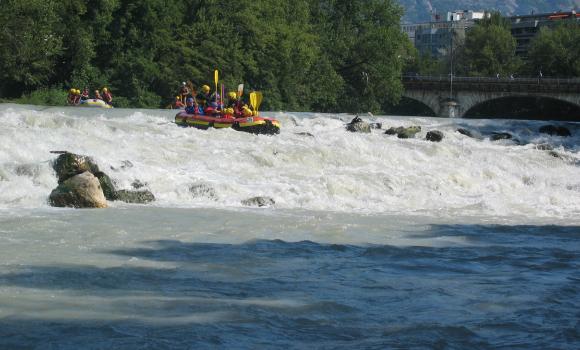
258,99
253,100
215,78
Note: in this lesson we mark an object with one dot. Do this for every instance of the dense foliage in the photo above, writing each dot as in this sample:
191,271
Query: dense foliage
556,52
323,55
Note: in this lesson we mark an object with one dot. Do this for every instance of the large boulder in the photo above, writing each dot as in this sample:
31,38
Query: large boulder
107,185
465,132
68,165
79,191
434,136
138,197
555,130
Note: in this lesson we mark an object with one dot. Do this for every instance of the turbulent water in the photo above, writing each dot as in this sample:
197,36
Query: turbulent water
373,242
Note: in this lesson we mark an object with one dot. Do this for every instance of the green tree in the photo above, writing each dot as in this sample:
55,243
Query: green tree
29,45
556,51
489,49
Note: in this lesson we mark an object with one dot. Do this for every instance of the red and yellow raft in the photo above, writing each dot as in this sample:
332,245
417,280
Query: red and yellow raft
254,125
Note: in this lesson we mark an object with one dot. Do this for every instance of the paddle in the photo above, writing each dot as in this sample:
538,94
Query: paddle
215,78
240,90
258,100
253,100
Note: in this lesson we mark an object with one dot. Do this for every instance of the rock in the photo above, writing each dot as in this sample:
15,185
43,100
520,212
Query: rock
203,191
376,125
403,132
358,125
544,147
79,191
305,134
68,165
258,202
434,136
139,197
137,184
107,185
465,132
496,136
554,130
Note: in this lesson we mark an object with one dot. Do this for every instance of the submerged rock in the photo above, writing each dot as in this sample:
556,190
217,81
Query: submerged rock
496,136
555,130
203,191
465,132
79,191
434,136
358,125
138,197
404,132
258,201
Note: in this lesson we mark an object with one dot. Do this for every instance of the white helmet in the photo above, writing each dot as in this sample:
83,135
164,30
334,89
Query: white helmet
183,83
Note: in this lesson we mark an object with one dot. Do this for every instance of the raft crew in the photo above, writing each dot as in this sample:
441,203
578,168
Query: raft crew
70,99
107,97
178,104
85,94
190,108
184,91
203,97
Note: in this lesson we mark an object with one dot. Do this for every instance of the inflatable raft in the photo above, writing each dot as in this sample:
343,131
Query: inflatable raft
254,125
94,103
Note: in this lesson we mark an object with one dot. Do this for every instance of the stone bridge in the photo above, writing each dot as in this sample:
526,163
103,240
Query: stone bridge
454,97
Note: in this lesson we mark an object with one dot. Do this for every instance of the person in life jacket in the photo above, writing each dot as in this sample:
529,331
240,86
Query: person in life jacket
70,99
85,94
98,95
190,107
235,103
246,111
77,98
184,91
177,104
212,109
107,97
203,97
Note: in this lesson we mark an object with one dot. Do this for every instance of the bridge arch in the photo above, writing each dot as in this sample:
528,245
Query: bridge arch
518,106
411,106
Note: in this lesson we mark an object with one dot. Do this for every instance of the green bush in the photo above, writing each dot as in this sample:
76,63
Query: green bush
45,97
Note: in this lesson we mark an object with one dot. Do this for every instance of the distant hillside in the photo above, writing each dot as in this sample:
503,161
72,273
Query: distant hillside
420,10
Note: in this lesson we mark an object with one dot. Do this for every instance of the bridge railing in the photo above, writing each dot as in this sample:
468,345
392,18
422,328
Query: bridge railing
502,79
503,84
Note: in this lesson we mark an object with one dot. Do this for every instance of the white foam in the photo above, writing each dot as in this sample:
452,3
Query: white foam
331,170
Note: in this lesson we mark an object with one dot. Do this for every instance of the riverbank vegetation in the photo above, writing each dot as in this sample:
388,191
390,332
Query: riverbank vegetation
327,55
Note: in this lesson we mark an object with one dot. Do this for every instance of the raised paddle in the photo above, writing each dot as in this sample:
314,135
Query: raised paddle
253,100
240,90
258,100
215,78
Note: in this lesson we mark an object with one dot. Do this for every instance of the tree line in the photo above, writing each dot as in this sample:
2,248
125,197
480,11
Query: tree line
489,49
304,55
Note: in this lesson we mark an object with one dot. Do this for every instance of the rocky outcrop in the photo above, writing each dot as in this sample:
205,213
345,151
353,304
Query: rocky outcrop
258,202
79,191
555,130
434,136
404,132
